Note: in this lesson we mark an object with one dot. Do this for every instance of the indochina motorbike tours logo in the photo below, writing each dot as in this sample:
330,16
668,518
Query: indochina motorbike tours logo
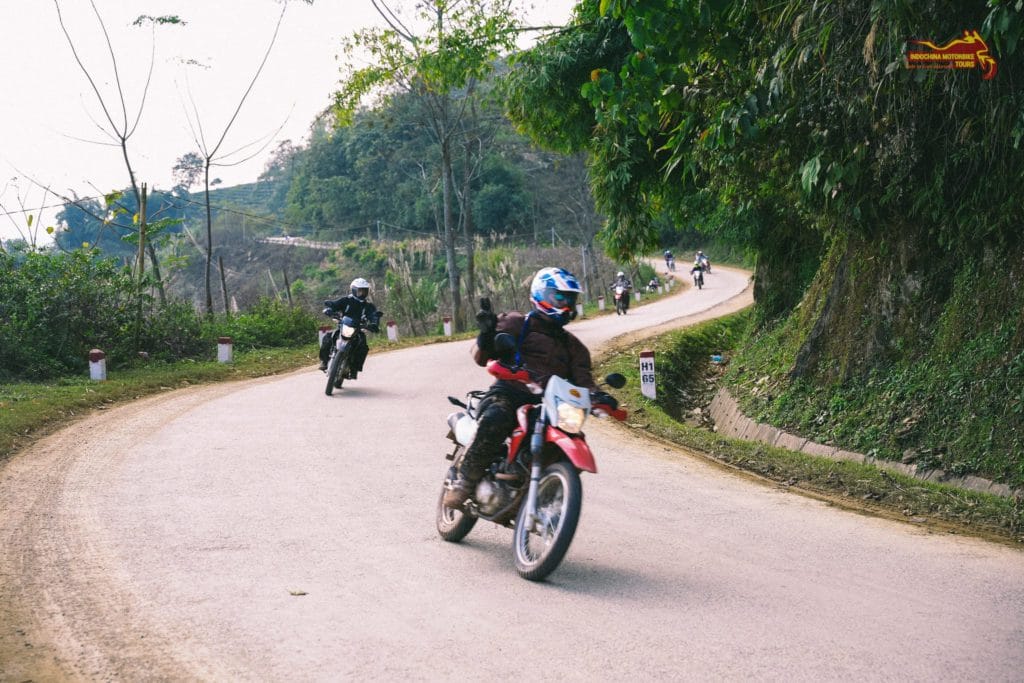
966,52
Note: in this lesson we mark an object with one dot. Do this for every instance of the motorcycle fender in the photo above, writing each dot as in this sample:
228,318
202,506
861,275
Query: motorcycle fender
574,447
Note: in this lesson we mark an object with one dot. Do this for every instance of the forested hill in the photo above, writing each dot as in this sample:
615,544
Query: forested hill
882,202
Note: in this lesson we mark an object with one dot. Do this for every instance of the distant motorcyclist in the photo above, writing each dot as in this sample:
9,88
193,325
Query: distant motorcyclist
627,286
705,262
653,285
544,347
670,260
364,313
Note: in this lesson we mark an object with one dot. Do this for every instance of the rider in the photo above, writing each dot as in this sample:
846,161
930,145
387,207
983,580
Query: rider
621,281
544,347
702,259
354,306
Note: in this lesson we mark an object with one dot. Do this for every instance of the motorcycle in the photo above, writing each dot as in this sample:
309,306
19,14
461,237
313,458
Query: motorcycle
536,488
349,331
621,299
705,263
698,277
670,264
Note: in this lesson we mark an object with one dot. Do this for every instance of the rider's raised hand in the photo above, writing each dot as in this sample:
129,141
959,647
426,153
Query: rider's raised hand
486,320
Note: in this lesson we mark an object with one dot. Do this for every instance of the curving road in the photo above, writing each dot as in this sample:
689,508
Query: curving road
263,531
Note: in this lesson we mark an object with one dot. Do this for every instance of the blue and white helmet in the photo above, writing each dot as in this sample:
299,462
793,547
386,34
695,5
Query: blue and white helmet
554,292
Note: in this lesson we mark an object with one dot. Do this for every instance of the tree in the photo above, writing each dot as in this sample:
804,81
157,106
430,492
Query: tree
210,154
120,126
453,44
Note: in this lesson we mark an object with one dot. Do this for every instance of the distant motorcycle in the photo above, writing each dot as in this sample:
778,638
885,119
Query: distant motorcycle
698,276
705,263
621,299
670,263
536,489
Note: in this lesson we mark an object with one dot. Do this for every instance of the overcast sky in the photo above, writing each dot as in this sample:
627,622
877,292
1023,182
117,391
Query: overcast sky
49,114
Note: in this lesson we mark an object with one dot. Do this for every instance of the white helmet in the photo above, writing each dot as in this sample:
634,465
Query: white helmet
360,288
620,274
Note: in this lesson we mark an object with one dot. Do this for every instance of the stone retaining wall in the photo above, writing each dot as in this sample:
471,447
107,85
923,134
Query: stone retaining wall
729,421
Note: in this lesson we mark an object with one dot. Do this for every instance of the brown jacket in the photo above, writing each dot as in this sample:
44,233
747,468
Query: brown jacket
546,350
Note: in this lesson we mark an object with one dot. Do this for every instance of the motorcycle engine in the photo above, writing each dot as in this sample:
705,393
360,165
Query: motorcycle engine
491,496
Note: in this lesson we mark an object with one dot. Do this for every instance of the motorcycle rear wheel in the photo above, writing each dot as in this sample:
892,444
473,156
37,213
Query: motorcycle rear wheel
452,524
336,372
539,549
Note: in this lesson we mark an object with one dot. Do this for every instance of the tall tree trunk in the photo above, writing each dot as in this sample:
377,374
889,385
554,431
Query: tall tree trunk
468,228
156,272
224,287
209,240
449,233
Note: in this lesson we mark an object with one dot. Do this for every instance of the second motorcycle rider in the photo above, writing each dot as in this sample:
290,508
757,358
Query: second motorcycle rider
544,347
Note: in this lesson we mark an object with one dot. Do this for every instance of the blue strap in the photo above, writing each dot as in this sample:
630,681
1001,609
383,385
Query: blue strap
522,336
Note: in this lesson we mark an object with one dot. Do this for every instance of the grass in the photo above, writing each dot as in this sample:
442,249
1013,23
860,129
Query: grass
686,353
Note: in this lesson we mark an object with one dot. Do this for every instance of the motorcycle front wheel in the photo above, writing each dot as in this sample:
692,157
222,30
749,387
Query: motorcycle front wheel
336,372
452,524
540,545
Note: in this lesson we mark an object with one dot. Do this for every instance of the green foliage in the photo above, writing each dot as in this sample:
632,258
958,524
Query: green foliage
269,323
54,308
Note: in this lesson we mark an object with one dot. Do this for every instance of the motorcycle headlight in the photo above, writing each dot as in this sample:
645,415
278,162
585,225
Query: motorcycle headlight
570,418
347,331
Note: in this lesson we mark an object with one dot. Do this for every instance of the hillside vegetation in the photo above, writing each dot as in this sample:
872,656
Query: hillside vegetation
881,203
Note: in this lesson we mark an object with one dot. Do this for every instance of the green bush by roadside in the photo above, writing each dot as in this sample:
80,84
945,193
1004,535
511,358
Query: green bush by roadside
682,358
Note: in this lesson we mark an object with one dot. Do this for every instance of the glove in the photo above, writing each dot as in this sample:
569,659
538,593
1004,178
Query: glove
603,398
486,320
328,310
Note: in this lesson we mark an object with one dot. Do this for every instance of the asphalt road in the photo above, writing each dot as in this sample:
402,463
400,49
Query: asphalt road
265,531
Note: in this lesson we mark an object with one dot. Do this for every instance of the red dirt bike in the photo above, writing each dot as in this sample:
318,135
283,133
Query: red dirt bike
536,488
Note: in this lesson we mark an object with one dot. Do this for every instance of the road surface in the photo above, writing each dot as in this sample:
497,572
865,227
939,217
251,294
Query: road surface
265,531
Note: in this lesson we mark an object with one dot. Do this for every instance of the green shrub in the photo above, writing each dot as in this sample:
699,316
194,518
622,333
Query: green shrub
269,323
54,307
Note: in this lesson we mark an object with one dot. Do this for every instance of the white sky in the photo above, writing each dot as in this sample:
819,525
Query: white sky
47,107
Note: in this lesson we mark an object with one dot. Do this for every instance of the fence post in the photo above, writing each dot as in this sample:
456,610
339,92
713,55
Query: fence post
647,382
600,302
392,331
224,349
97,365
447,326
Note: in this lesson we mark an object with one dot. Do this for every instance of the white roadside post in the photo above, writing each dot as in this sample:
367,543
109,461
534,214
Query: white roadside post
224,349
392,331
647,383
579,310
447,326
97,365
600,302
637,295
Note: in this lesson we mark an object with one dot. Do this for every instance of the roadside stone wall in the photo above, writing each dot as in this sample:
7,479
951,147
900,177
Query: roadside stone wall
729,421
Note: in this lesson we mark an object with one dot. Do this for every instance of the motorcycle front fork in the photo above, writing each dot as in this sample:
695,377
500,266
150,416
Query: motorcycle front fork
536,448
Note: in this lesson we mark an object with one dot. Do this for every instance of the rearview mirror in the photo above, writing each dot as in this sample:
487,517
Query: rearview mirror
615,380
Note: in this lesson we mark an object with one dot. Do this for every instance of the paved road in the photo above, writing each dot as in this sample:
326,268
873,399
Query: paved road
263,531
